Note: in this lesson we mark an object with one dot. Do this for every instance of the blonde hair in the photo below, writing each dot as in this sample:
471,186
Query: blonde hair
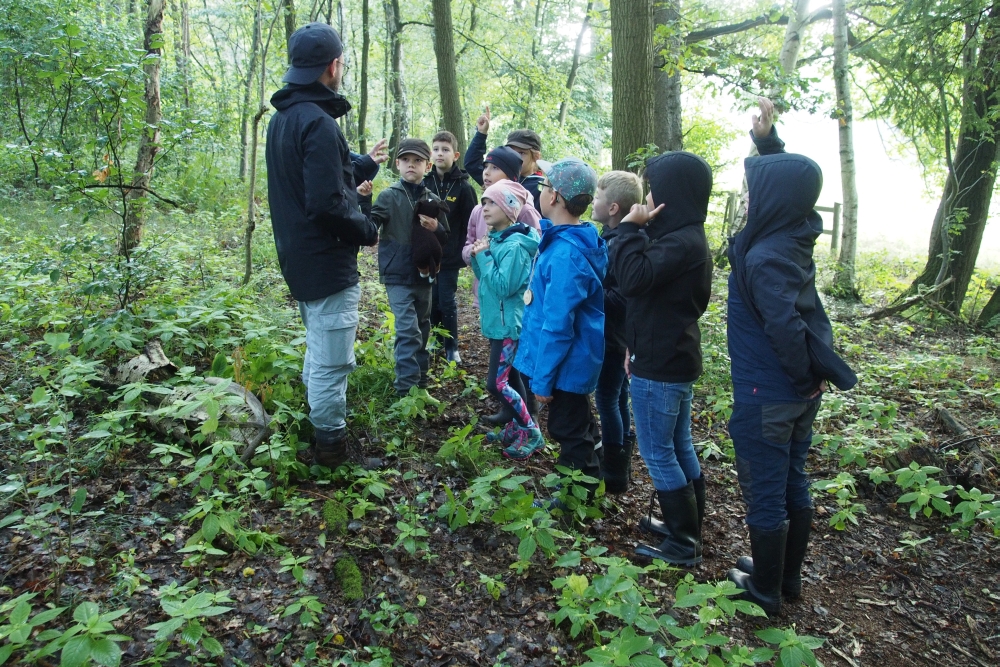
621,187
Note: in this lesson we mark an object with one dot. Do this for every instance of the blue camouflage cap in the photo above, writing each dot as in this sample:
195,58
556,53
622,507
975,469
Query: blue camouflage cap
570,177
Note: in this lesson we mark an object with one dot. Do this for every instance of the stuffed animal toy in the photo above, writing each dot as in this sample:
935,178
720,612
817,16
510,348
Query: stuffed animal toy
424,243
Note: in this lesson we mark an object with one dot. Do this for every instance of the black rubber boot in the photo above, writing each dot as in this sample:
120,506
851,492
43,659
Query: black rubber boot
682,544
331,448
531,403
651,524
500,418
799,529
618,467
764,586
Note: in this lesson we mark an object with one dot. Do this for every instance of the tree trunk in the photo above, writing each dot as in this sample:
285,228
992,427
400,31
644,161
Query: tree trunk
992,309
363,104
631,78
539,12
844,280
289,20
149,143
667,130
247,91
575,66
962,212
400,110
444,51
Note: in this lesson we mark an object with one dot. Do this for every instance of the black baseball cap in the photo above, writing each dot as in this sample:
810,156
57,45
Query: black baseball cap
525,140
416,147
311,49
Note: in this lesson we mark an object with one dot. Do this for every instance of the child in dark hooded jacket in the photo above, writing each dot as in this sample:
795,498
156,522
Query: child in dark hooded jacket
666,277
781,346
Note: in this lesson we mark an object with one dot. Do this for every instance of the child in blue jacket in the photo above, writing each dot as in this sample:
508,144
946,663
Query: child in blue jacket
502,263
562,337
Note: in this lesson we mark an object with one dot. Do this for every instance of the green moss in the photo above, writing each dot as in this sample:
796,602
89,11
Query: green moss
335,516
349,577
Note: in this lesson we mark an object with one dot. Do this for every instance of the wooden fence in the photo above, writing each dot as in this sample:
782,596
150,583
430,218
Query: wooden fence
732,210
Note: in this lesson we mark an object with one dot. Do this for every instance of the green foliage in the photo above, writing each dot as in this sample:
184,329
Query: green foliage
186,610
793,650
923,492
844,491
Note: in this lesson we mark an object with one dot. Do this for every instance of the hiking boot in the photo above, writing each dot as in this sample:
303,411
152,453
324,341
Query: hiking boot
799,528
506,436
682,544
526,443
331,448
763,587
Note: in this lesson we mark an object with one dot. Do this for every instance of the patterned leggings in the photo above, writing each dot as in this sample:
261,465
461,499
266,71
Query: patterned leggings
504,382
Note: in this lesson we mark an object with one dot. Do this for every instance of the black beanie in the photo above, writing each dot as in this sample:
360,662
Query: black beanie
507,160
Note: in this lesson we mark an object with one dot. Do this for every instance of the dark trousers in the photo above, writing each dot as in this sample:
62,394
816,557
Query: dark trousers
611,398
444,307
772,442
503,382
572,425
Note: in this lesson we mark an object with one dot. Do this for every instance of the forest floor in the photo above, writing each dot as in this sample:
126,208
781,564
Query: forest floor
892,589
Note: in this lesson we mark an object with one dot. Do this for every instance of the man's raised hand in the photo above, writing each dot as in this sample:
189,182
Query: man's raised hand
483,122
762,123
379,152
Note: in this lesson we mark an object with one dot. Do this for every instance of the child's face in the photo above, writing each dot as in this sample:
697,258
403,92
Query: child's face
412,168
493,215
493,174
527,160
601,212
443,155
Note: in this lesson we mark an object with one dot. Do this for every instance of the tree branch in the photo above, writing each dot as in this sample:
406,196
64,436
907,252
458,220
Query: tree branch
821,14
127,186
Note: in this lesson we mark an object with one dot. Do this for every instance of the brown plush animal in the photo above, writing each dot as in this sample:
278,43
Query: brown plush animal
424,243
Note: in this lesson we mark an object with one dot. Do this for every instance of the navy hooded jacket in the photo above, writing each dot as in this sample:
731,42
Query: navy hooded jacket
666,273
317,224
780,339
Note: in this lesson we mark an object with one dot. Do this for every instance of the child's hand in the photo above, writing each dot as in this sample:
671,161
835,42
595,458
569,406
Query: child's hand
628,371
379,153
428,223
640,214
365,189
483,122
480,245
762,124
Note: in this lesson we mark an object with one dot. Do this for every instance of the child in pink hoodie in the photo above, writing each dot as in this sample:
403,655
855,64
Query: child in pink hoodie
502,164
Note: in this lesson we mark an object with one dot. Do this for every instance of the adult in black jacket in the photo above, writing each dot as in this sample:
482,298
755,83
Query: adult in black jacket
666,275
781,347
317,224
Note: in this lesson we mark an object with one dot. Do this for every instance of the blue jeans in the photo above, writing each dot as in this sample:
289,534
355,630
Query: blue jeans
771,443
444,308
663,430
611,398
411,307
331,324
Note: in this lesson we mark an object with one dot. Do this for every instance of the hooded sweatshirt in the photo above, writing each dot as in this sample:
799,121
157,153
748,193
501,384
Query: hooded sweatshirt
503,270
666,273
780,339
455,190
562,334
317,224
477,228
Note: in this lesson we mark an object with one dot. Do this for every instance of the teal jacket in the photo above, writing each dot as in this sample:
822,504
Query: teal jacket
503,271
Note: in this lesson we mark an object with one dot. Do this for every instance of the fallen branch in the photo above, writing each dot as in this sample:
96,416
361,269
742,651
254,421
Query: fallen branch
908,303
125,186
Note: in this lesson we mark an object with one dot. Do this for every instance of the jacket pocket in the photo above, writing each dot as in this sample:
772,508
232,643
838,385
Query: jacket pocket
393,259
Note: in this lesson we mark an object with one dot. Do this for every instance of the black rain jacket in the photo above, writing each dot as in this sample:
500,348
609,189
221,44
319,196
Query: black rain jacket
317,224
774,271
666,273
456,191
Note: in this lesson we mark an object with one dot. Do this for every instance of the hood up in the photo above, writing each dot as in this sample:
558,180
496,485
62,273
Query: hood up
783,190
682,181
332,102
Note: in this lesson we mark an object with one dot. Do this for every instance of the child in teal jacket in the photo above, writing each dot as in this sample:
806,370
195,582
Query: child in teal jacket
502,263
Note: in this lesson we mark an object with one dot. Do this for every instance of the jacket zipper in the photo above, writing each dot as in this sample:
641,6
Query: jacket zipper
503,321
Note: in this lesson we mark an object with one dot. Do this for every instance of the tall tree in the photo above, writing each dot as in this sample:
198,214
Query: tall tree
400,108
575,65
447,72
149,143
289,7
182,49
363,104
668,133
844,280
247,90
962,212
631,78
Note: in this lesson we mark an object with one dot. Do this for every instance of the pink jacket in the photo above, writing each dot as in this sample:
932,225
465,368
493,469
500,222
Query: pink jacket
477,230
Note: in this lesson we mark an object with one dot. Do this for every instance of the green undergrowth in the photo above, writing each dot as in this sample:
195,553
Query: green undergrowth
71,311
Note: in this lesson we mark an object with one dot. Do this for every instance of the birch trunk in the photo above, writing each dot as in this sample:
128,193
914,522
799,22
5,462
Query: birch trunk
149,143
844,279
